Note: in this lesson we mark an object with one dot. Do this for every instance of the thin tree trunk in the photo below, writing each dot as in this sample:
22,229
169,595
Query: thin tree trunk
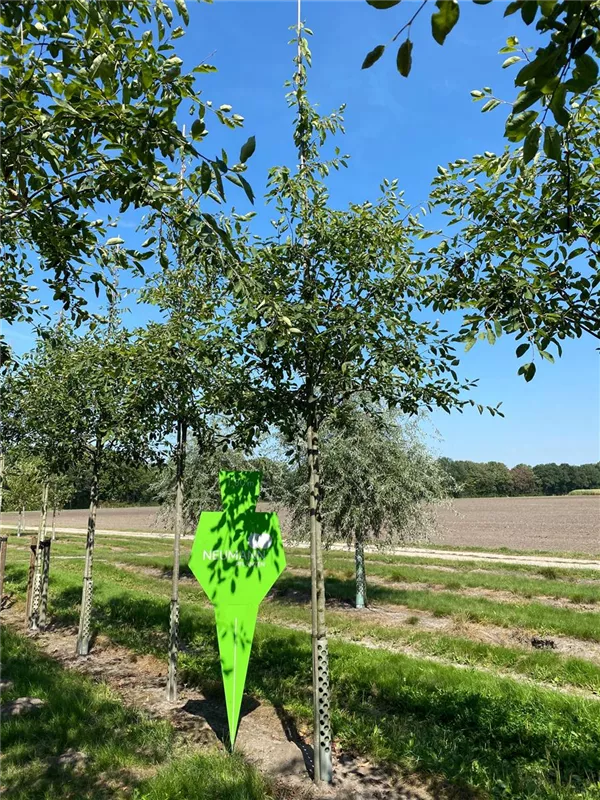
3,539
85,614
361,578
30,574
21,520
174,616
36,595
54,524
43,613
3,546
323,769
1,479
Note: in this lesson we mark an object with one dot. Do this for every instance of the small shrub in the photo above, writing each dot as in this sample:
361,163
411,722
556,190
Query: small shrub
412,621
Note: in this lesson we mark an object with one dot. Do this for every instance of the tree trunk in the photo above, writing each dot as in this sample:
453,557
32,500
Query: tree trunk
36,595
43,613
54,524
21,520
1,479
32,559
323,769
361,577
3,546
174,616
85,614
3,538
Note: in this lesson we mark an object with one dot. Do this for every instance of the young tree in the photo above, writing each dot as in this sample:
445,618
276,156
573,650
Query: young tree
23,488
331,309
90,98
177,361
42,411
380,485
100,374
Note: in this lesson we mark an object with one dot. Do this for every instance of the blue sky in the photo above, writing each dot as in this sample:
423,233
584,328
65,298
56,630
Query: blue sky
395,128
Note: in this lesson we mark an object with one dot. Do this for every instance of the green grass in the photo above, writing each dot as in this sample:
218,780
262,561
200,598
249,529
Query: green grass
547,667
120,744
581,492
79,715
478,731
212,776
530,616
485,733
523,586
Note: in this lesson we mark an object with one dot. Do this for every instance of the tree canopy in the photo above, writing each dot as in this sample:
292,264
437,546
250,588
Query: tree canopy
565,64
90,98
523,257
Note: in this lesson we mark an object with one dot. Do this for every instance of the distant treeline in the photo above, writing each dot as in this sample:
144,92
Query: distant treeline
127,484
495,479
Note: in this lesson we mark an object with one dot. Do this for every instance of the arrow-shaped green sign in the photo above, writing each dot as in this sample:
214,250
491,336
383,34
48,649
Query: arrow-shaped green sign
236,557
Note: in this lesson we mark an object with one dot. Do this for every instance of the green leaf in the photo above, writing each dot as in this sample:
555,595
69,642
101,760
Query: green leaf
490,105
582,45
383,4
527,370
205,177
469,342
531,144
443,20
552,144
115,240
181,7
586,71
247,149
491,336
511,60
404,58
512,7
522,349
557,105
247,189
528,11
373,56
198,128
526,99
518,125
548,356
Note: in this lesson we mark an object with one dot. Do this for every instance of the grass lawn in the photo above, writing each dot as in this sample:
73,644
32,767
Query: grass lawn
482,732
125,753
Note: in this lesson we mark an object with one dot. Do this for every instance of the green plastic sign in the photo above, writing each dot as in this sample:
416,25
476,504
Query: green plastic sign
236,557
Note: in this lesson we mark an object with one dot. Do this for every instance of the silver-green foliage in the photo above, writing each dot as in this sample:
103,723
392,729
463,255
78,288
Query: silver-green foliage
380,481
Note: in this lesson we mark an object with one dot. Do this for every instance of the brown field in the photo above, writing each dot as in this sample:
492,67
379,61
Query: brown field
563,524
569,524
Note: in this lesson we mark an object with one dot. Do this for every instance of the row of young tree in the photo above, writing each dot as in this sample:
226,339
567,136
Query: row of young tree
316,332
495,479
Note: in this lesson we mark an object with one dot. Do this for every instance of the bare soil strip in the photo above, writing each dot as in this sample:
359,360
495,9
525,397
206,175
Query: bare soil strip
267,735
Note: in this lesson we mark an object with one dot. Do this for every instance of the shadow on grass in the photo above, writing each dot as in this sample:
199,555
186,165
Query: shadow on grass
471,728
81,744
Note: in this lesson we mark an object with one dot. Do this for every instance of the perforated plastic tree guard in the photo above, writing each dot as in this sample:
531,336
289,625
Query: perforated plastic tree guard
236,557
